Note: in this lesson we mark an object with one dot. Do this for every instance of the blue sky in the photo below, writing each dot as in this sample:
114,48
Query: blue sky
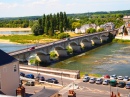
16,8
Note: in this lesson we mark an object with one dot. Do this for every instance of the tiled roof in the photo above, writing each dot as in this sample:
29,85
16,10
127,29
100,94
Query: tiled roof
45,93
5,58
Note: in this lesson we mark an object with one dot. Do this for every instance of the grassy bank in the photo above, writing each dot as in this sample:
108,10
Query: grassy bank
24,39
121,41
90,74
28,39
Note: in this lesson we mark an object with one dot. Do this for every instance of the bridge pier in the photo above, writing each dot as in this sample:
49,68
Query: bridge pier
61,53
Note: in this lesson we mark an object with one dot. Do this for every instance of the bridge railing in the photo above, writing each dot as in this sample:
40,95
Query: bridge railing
58,41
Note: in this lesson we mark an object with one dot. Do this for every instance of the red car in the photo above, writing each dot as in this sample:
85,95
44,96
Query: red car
32,48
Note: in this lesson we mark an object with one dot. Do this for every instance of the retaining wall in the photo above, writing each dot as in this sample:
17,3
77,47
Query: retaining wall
54,71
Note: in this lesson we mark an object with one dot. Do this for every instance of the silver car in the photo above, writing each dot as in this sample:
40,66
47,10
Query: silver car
86,79
106,82
126,78
99,81
92,80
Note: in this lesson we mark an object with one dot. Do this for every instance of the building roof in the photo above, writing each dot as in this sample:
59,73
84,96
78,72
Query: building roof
45,93
126,17
5,58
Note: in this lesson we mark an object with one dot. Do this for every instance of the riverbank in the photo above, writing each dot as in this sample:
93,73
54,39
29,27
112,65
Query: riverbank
7,41
122,37
15,29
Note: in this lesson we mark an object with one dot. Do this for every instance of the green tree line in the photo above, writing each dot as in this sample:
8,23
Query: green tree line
49,24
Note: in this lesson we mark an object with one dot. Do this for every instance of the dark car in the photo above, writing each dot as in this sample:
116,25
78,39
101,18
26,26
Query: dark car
30,83
31,76
40,78
121,84
22,74
32,48
127,85
52,80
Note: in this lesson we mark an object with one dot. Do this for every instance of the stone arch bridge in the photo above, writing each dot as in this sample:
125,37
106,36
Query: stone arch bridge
76,43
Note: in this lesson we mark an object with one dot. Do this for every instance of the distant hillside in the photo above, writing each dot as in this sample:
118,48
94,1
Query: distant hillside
26,18
123,12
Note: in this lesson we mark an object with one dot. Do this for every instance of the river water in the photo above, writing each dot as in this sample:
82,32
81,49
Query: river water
110,59
15,32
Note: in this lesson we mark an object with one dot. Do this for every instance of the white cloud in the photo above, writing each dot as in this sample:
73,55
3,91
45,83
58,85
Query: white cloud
39,7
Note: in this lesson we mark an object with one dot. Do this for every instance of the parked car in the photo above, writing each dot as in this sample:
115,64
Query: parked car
106,82
41,78
126,78
29,76
127,85
30,83
121,84
99,81
32,48
22,74
86,79
113,82
52,80
107,76
92,80
120,77
113,76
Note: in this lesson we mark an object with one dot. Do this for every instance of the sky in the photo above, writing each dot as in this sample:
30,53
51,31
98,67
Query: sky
21,8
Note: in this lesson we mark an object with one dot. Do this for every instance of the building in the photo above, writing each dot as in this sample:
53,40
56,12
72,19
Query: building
108,26
126,18
46,93
9,74
85,27
127,25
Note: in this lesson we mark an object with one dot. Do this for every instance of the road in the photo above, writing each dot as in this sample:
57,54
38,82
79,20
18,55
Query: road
86,89
62,80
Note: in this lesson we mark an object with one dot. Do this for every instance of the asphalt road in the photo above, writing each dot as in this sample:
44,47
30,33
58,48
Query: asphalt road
85,88
93,90
61,80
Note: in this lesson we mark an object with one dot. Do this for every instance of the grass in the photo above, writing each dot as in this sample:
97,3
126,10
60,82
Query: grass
28,39
31,39
121,41
91,74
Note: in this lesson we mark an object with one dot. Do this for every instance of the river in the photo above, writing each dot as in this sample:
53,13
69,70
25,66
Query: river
110,59
15,32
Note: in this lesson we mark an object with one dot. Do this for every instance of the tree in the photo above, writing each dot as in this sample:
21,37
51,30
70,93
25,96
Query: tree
100,30
36,29
61,27
75,25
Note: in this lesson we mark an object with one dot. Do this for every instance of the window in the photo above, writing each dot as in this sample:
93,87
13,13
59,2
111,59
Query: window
15,69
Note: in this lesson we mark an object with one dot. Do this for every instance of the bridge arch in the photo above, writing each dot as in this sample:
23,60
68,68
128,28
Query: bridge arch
95,40
104,38
60,51
74,46
85,43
